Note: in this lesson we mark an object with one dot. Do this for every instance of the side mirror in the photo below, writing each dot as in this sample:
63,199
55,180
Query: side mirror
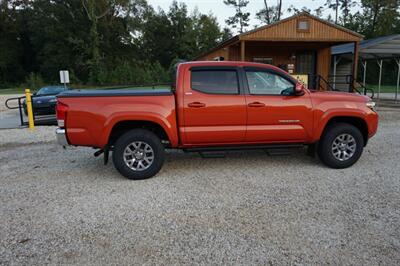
299,90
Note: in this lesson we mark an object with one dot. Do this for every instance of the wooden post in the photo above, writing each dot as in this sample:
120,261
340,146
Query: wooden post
242,51
355,65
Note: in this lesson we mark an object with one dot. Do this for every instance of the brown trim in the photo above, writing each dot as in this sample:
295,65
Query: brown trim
336,41
355,63
231,41
242,51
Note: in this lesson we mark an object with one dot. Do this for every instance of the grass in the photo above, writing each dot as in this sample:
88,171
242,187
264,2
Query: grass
16,90
384,88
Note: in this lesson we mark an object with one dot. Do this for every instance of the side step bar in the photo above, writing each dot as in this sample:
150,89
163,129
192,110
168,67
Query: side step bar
247,147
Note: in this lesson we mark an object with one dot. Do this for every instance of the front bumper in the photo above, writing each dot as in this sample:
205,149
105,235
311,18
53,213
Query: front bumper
61,137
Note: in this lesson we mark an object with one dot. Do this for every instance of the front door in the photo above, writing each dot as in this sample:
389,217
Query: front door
274,113
214,107
306,65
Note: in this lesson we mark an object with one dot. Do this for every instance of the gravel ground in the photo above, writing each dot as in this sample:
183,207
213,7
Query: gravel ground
64,207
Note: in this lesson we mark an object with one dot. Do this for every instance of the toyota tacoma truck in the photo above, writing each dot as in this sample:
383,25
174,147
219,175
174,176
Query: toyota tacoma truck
216,106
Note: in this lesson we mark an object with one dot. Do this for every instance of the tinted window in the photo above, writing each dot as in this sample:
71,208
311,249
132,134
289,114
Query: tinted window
50,90
268,83
215,81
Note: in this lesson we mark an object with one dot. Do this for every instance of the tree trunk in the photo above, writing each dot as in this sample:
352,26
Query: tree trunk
337,11
279,10
267,12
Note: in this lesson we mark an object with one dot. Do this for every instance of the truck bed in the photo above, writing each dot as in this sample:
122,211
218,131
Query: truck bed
92,114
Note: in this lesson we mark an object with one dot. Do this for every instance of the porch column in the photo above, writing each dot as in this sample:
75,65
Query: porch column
336,60
355,64
242,51
398,77
364,64
380,64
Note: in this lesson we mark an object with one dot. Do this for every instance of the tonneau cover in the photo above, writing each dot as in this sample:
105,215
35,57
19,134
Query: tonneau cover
115,92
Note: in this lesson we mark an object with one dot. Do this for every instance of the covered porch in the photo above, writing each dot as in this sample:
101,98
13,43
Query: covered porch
307,61
300,44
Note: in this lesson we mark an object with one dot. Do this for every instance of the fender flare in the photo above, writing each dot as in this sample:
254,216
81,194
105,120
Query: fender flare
332,114
149,117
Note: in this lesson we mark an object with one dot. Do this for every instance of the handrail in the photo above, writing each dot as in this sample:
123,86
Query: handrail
16,107
11,99
318,78
349,80
364,88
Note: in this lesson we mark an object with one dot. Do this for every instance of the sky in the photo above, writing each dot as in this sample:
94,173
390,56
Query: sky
222,12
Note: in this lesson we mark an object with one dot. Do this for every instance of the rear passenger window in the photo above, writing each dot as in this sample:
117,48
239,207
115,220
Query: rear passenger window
215,81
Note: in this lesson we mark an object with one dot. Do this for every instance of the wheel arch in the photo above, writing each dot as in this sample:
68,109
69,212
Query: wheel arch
356,121
123,126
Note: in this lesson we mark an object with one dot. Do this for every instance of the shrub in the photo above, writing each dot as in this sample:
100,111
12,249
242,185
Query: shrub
34,82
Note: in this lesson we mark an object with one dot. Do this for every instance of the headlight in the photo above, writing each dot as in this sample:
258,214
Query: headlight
371,105
52,100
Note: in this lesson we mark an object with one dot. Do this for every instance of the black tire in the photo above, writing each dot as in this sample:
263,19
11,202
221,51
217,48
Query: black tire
325,150
144,136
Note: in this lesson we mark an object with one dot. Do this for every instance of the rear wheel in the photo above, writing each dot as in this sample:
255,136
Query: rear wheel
341,145
138,154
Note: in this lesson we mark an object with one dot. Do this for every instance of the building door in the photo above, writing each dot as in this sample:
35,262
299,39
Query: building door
306,64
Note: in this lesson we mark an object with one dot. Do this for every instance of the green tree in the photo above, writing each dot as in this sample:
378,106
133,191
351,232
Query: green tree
226,34
241,18
270,13
381,16
11,69
206,32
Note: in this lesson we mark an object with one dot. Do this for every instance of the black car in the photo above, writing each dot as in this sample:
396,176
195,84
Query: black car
44,101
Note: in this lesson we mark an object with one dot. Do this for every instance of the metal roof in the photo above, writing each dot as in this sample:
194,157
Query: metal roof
381,47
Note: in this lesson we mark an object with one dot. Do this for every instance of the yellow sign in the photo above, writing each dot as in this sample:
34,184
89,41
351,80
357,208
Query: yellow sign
302,78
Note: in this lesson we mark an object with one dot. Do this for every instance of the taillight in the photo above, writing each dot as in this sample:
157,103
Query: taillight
61,111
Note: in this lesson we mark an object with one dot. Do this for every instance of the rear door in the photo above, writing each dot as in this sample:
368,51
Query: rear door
275,113
214,106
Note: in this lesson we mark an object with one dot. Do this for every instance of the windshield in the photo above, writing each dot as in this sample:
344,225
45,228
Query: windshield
50,90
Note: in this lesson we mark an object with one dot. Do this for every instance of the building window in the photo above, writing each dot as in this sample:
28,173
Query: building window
263,60
215,81
303,25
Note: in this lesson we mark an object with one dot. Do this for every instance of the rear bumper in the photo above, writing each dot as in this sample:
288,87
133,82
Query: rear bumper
61,137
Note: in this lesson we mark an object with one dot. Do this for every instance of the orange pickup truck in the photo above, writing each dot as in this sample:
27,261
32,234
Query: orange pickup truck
215,106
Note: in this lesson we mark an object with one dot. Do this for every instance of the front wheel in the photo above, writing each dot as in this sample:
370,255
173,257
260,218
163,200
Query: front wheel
341,145
138,154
